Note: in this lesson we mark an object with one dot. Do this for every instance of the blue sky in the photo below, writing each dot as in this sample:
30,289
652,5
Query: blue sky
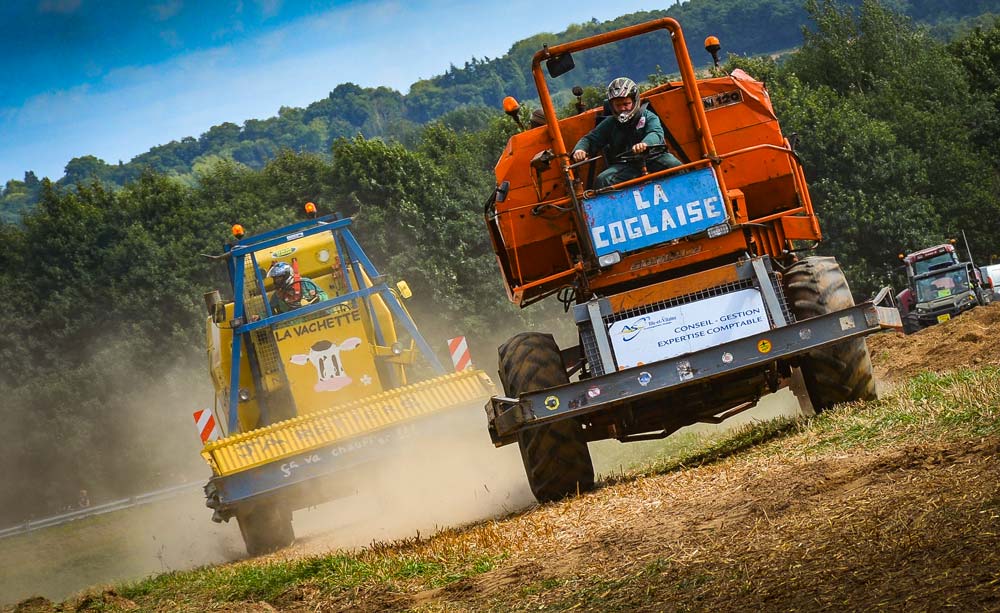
112,78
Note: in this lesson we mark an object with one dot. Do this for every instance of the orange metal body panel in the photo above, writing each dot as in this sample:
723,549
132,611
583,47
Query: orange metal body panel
726,122
672,288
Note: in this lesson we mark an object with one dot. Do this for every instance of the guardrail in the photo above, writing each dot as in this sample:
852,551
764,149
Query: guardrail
99,509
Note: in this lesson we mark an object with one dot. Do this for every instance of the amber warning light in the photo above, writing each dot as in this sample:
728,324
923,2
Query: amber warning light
238,231
310,209
512,108
713,46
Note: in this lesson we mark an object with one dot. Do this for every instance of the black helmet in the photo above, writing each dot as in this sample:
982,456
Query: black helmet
282,275
623,87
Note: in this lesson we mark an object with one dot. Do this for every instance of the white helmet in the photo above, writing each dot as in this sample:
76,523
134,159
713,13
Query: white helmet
623,87
282,275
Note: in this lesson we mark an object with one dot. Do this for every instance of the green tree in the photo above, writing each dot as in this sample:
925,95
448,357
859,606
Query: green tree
887,122
979,55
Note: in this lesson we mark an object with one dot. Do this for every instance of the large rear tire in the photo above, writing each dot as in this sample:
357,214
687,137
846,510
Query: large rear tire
266,527
556,458
837,373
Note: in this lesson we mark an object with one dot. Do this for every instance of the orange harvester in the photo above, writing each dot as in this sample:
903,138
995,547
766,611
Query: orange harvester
688,286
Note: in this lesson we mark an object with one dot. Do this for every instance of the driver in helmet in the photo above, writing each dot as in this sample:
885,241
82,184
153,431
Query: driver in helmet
631,128
286,295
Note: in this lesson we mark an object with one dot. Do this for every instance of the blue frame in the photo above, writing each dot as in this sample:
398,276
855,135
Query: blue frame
351,254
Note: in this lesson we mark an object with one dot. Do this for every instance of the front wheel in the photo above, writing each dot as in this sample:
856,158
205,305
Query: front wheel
555,456
266,527
838,373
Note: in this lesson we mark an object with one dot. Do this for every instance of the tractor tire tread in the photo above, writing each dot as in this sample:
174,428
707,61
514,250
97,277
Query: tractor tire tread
838,373
556,459
265,528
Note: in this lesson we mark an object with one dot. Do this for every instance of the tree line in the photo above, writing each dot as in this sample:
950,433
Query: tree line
102,353
745,26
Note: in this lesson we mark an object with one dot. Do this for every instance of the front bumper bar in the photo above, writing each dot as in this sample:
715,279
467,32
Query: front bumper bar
641,384
932,317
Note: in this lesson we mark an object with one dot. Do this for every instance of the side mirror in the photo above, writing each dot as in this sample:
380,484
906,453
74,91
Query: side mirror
560,65
502,190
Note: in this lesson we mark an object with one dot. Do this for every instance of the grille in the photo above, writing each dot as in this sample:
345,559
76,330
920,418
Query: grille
590,350
589,342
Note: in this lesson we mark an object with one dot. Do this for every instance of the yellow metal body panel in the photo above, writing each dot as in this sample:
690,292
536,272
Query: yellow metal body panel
316,256
327,359
302,347
363,416
219,340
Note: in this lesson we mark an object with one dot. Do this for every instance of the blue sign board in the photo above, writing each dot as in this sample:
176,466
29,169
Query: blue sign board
656,212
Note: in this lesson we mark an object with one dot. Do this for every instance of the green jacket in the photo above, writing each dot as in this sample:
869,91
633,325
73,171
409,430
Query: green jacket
311,293
645,127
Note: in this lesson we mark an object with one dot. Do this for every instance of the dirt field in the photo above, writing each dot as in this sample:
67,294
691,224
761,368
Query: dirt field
866,510
969,340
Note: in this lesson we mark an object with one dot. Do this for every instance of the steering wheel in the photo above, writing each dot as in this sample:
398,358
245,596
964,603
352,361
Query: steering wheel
651,152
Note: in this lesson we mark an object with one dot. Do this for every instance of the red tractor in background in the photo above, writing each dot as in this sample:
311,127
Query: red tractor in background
689,287
939,286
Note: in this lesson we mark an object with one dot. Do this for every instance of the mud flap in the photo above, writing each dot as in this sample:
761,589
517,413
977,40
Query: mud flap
797,385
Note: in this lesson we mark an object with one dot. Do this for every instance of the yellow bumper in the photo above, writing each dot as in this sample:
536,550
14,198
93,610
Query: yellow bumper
277,441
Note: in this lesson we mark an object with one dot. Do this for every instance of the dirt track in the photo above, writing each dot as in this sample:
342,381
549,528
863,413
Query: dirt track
905,528
969,340
801,523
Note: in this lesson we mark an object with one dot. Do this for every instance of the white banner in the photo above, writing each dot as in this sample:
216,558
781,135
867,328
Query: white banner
679,330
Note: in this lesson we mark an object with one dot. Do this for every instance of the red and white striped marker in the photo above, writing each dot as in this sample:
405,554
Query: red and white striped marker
459,350
207,428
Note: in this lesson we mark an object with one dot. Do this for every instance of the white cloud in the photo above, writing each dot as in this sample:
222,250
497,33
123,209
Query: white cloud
377,43
269,8
165,10
64,7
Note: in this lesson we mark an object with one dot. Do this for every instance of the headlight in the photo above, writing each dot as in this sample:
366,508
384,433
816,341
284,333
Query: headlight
244,394
397,349
716,231
609,258
323,256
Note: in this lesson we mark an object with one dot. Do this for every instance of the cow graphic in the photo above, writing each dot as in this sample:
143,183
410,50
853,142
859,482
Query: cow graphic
325,357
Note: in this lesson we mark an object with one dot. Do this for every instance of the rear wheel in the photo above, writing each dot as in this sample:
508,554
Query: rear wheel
837,373
266,527
555,456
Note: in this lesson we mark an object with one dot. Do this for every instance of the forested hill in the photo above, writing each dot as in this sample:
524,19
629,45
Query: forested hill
102,345
462,94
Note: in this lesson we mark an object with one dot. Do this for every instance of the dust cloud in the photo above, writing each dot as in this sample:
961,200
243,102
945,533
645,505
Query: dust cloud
448,475
146,441
173,534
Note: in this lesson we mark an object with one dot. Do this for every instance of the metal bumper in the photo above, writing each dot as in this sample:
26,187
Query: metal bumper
306,479
292,455
931,317
508,416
